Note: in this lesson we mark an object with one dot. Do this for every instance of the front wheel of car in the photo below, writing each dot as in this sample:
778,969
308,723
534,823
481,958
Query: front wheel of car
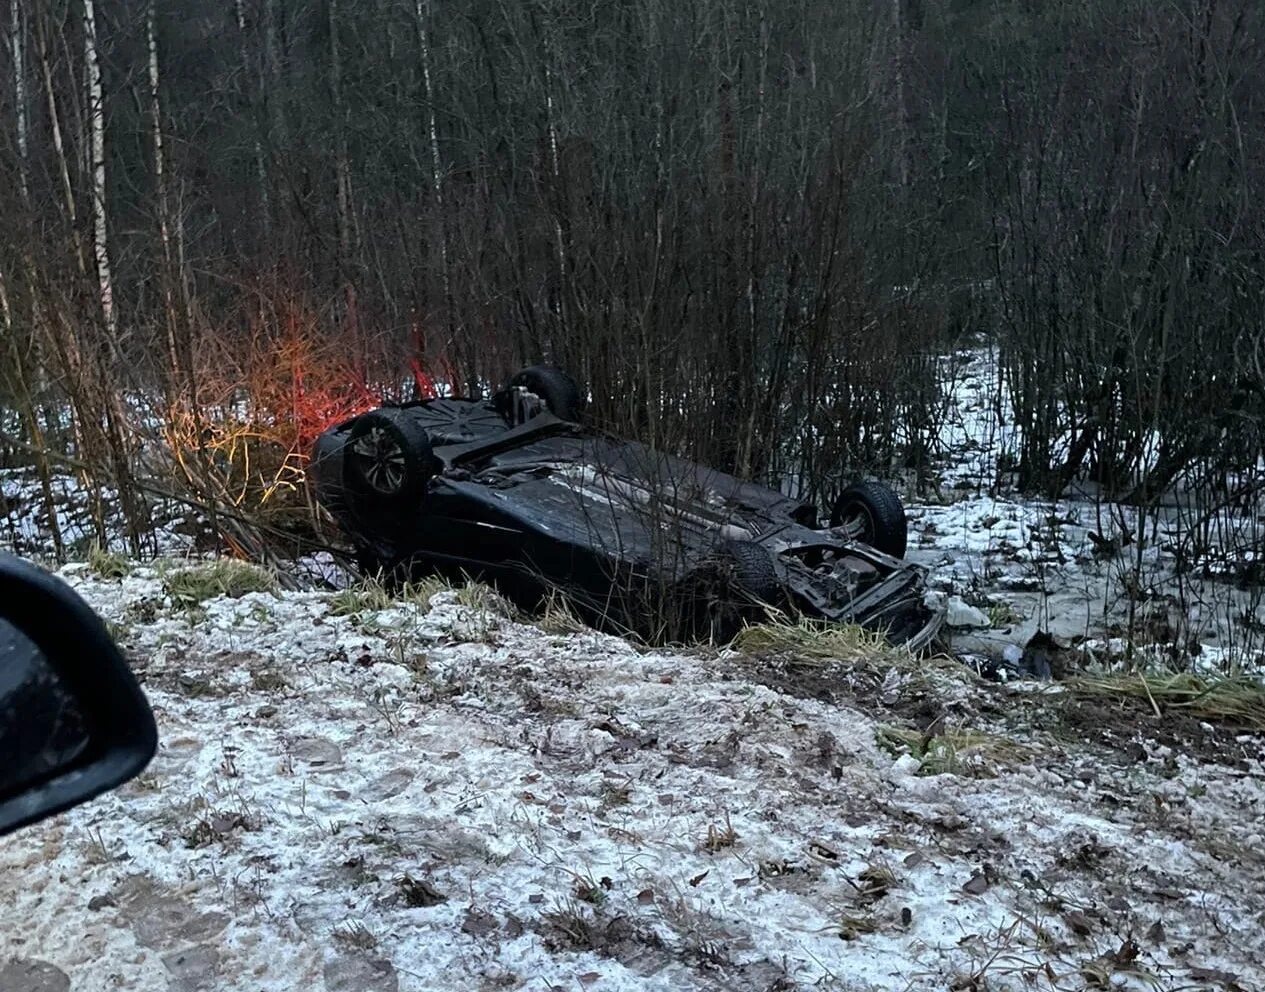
873,515
388,457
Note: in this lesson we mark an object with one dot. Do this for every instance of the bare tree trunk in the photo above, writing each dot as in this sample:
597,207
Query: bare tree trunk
746,443
437,178
342,169
559,203
59,145
19,90
900,122
261,164
26,402
96,119
160,183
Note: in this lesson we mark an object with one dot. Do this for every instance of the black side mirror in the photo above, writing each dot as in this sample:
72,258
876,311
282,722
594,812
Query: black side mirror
73,720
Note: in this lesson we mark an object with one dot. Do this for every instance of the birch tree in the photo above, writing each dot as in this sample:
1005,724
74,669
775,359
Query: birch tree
17,55
96,124
421,16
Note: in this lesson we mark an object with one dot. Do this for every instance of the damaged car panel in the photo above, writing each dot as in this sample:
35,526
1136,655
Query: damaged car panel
509,491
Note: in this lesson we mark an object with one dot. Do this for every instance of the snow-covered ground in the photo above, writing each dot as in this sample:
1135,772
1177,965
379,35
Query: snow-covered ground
26,528
1090,572
436,796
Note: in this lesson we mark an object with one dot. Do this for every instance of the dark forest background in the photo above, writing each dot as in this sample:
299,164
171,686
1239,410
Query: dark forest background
753,229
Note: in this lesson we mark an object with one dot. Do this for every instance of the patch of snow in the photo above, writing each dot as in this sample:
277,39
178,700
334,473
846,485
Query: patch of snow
444,798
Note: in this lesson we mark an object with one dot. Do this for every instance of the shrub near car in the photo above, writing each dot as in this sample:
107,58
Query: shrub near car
516,490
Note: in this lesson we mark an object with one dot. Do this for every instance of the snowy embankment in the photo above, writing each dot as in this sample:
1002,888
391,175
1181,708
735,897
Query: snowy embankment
1182,584
433,796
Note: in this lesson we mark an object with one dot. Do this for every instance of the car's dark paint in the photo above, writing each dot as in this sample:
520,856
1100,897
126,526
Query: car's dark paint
551,504
81,667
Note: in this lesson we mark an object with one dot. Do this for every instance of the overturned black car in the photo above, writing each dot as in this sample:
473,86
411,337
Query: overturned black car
515,490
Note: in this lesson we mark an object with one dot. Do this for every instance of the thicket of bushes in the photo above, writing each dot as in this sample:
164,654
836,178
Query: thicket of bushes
750,227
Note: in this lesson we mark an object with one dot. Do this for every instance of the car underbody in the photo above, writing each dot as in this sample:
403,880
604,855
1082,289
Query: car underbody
635,540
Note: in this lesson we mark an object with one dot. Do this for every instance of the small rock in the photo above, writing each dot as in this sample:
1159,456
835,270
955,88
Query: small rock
389,785
479,924
193,969
160,920
976,885
20,975
317,751
360,973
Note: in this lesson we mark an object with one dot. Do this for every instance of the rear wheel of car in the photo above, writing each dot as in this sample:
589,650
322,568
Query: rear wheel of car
875,516
740,585
388,457
749,568
557,390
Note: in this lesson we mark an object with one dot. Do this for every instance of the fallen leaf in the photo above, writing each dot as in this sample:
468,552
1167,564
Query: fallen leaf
645,897
1224,978
1127,953
478,923
1079,923
698,878
420,892
589,977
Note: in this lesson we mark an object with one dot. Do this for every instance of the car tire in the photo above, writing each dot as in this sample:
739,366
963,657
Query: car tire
880,513
750,567
742,584
387,460
326,471
559,391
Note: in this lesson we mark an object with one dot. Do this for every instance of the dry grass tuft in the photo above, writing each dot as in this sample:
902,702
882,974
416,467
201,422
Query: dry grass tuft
960,751
720,837
816,640
224,577
373,596
353,933
1235,699
482,598
108,564
559,617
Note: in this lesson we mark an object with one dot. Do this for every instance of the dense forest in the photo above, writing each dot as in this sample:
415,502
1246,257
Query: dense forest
753,229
